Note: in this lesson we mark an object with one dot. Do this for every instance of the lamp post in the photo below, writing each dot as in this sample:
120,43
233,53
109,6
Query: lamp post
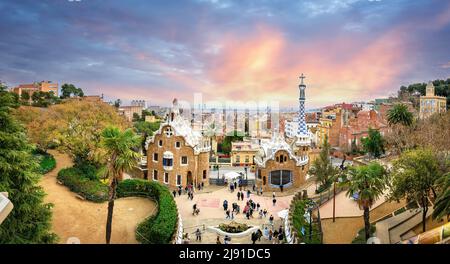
246,179
310,223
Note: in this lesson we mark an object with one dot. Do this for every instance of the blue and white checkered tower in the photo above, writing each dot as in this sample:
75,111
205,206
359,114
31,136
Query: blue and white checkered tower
302,129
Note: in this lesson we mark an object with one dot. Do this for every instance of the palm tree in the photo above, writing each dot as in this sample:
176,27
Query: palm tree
121,157
369,183
399,114
442,204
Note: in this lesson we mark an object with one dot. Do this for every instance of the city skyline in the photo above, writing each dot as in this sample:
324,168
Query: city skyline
227,50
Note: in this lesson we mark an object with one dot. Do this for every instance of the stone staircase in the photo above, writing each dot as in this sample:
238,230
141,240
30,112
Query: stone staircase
399,227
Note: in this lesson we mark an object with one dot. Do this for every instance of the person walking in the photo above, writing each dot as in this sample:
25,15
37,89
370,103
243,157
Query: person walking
174,193
186,238
254,188
266,232
271,219
248,193
280,237
254,238
239,195
227,214
275,237
273,195
258,206
281,187
218,240
270,235
260,214
198,235
194,209
225,205
260,191
242,196
274,201
265,213
259,232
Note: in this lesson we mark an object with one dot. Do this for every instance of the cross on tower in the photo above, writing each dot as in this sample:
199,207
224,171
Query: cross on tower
301,78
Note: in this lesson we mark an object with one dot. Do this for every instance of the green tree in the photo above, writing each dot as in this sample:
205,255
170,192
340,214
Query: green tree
67,90
369,183
25,96
322,168
30,220
121,157
117,103
374,143
136,117
442,203
399,114
414,175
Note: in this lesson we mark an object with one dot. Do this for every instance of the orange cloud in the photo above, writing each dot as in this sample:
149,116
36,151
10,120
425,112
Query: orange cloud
265,65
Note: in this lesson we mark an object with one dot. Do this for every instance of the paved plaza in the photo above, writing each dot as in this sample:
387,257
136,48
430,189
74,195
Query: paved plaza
213,214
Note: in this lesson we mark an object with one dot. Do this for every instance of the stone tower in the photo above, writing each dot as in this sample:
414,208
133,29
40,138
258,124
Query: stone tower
302,129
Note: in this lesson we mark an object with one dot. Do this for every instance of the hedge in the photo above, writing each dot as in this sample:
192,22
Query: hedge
92,190
156,229
159,228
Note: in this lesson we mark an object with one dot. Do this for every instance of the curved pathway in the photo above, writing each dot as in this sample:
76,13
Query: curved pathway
86,220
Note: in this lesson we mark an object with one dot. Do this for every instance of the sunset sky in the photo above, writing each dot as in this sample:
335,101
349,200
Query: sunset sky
227,50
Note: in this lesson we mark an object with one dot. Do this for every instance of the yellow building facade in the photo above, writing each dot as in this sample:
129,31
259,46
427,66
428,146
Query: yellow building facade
431,103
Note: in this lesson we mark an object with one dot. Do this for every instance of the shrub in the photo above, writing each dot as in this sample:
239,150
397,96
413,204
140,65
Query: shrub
159,228
46,163
92,190
361,237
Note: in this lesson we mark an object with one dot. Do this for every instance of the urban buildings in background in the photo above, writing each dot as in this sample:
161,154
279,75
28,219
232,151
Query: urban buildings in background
431,103
43,86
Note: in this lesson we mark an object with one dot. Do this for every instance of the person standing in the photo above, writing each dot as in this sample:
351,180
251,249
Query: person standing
271,219
273,195
248,193
274,201
265,213
242,196
260,214
225,205
218,240
239,196
198,235
174,193
270,235
257,206
281,187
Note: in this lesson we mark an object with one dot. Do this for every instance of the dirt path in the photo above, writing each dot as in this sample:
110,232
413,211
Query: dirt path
86,220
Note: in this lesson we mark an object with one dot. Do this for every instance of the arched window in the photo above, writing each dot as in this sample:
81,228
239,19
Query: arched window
280,177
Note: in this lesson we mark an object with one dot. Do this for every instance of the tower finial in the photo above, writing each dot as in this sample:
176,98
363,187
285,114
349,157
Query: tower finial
301,78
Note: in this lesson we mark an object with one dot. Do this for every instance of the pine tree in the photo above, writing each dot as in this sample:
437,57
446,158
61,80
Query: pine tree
30,219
